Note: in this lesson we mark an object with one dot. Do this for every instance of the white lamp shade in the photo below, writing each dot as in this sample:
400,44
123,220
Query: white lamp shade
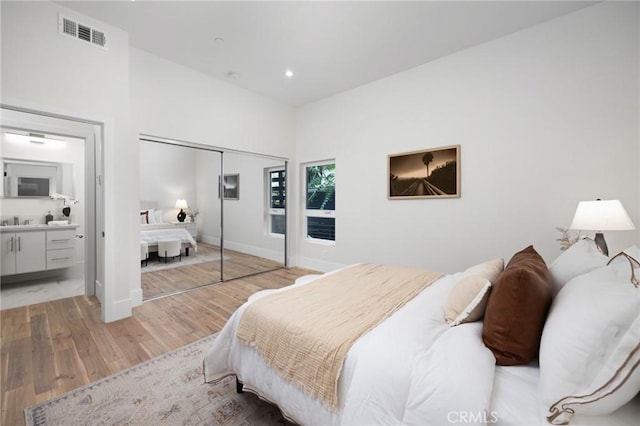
181,204
601,215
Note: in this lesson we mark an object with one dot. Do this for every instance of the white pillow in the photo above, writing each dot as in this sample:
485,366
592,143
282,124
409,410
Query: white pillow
144,217
152,216
633,251
158,216
591,344
490,269
580,258
467,300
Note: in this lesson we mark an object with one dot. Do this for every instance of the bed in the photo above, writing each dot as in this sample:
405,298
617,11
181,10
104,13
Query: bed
429,363
152,233
154,227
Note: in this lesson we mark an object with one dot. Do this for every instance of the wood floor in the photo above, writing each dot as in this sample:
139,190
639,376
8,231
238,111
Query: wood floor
51,348
182,278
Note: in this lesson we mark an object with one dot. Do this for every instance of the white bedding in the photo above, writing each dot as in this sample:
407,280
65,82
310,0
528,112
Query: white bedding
516,401
423,371
152,233
411,369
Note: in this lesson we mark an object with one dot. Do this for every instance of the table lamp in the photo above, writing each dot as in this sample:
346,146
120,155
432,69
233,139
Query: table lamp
601,215
181,204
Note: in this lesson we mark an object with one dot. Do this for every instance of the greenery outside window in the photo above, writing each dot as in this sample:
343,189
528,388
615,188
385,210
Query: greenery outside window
320,201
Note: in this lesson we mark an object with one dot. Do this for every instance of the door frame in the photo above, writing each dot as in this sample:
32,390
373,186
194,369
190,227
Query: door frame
92,133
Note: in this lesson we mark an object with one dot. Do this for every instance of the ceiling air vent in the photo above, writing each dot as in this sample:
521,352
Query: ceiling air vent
69,27
79,31
98,37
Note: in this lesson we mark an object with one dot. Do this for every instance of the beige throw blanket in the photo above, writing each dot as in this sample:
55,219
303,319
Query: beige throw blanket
306,332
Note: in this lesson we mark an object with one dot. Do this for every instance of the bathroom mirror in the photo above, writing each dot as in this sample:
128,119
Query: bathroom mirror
36,179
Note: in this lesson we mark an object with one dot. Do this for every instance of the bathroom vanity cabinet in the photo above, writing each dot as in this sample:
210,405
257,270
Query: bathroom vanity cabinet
36,248
23,252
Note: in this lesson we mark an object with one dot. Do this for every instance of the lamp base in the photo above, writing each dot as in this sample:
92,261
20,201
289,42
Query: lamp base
601,244
181,216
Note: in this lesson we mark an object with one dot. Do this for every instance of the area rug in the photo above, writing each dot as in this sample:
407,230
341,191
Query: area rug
203,255
167,390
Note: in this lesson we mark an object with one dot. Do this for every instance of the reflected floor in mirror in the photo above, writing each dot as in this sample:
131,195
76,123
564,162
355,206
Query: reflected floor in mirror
198,269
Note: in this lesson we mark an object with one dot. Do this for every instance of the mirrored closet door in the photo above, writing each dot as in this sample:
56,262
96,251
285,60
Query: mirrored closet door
179,218
207,215
254,214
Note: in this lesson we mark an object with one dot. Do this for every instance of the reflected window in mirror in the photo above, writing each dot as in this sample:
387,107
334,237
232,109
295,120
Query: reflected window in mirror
277,198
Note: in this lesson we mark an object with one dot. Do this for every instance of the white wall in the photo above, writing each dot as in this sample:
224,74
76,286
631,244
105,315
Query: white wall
208,222
168,173
545,117
45,71
175,102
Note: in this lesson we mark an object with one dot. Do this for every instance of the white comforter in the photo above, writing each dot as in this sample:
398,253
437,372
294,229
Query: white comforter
411,369
151,234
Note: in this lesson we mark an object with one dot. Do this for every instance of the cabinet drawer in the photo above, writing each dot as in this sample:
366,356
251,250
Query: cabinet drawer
62,258
60,239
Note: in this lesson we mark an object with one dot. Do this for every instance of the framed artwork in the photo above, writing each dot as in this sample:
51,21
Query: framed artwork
429,173
231,184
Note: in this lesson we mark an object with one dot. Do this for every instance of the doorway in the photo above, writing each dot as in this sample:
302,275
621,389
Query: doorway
50,197
221,202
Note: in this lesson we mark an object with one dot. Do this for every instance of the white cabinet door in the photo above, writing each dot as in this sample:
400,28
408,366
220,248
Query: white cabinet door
8,264
31,251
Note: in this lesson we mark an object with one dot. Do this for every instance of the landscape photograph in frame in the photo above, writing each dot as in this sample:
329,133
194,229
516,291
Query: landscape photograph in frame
429,173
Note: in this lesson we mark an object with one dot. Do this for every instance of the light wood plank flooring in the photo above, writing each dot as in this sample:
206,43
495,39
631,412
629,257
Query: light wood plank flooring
182,278
51,348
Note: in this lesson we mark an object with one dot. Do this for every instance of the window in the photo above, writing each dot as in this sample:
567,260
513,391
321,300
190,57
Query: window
320,201
277,198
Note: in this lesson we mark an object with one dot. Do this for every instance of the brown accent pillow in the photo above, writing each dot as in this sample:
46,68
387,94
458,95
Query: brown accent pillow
517,309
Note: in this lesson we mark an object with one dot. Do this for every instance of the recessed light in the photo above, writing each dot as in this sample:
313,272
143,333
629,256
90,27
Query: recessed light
288,73
234,75
218,40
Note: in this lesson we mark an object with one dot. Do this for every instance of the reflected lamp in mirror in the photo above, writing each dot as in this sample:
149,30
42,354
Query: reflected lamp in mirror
601,215
181,204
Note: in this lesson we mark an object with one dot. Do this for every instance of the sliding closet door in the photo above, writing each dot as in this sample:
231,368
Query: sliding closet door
254,215
175,178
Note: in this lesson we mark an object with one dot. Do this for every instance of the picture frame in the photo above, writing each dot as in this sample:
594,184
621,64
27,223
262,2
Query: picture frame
428,173
231,185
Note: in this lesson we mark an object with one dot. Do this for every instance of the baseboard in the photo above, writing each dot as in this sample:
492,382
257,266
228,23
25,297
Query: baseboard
120,309
215,241
136,297
276,256
303,262
99,291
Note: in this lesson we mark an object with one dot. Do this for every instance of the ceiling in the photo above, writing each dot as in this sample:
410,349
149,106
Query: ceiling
330,46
